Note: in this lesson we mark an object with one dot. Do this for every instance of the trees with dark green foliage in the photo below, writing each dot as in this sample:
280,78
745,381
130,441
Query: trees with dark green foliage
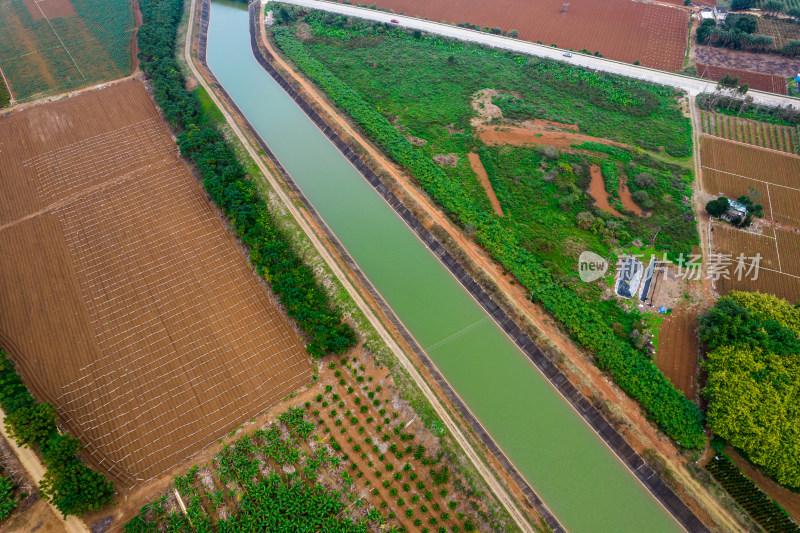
753,389
718,207
740,5
773,7
743,23
227,183
740,107
31,424
70,485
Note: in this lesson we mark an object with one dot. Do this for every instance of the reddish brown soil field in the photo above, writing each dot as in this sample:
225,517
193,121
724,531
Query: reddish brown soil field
655,35
677,351
767,63
738,159
477,167
125,301
729,240
525,136
49,8
772,83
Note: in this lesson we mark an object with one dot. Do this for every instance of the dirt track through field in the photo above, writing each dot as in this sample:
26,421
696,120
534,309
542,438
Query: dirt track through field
125,302
477,167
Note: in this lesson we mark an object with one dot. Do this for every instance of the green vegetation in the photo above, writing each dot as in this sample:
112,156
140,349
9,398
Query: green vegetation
264,501
5,96
70,51
227,183
8,497
70,485
424,86
753,387
757,504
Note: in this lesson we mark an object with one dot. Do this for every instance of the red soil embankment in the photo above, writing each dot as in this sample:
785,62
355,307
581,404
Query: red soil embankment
477,167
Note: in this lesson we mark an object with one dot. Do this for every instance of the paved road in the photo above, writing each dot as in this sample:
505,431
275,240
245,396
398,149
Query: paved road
693,86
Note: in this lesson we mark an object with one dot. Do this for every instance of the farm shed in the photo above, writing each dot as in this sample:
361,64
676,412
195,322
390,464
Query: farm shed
629,276
736,209
706,14
720,13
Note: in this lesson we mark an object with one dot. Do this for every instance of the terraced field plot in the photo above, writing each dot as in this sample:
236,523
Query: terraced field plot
773,136
124,300
734,169
53,46
652,34
778,271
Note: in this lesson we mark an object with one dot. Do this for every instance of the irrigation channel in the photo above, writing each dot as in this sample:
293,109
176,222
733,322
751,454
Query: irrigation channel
577,475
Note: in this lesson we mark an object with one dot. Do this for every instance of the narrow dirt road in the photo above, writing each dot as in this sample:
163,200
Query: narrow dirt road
36,472
503,495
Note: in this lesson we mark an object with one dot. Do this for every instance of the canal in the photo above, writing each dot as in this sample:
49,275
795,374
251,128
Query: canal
578,477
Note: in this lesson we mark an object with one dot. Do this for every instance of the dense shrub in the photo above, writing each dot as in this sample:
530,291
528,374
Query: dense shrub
70,485
753,387
227,183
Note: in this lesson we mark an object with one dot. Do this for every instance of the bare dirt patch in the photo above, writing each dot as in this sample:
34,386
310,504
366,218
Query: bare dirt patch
446,160
597,190
49,8
484,108
627,199
523,136
126,302
477,167
416,141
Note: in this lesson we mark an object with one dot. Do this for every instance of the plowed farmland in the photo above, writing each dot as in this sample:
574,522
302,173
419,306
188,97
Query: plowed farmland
53,46
123,299
677,352
751,162
763,134
655,35
772,83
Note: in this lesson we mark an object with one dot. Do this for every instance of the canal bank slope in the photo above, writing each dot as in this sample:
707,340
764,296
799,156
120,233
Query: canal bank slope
585,408
315,229
625,413
537,428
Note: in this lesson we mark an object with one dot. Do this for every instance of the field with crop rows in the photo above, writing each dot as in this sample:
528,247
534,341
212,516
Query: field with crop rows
354,445
781,30
125,302
757,504
769,178
60,45
677,353
778,272
776,137
772,83
654,35
772,179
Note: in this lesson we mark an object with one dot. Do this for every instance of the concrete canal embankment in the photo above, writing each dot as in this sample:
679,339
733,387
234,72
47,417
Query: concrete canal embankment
592,492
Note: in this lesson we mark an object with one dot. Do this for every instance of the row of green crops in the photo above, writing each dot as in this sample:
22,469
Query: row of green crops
70,485
262,482
8,497
587,323
610,177
227,183
758,505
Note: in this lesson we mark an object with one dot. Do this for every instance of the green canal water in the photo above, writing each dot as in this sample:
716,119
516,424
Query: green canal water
568,465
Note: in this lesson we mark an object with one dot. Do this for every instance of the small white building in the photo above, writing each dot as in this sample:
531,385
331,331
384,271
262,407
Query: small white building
706,14
720,13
